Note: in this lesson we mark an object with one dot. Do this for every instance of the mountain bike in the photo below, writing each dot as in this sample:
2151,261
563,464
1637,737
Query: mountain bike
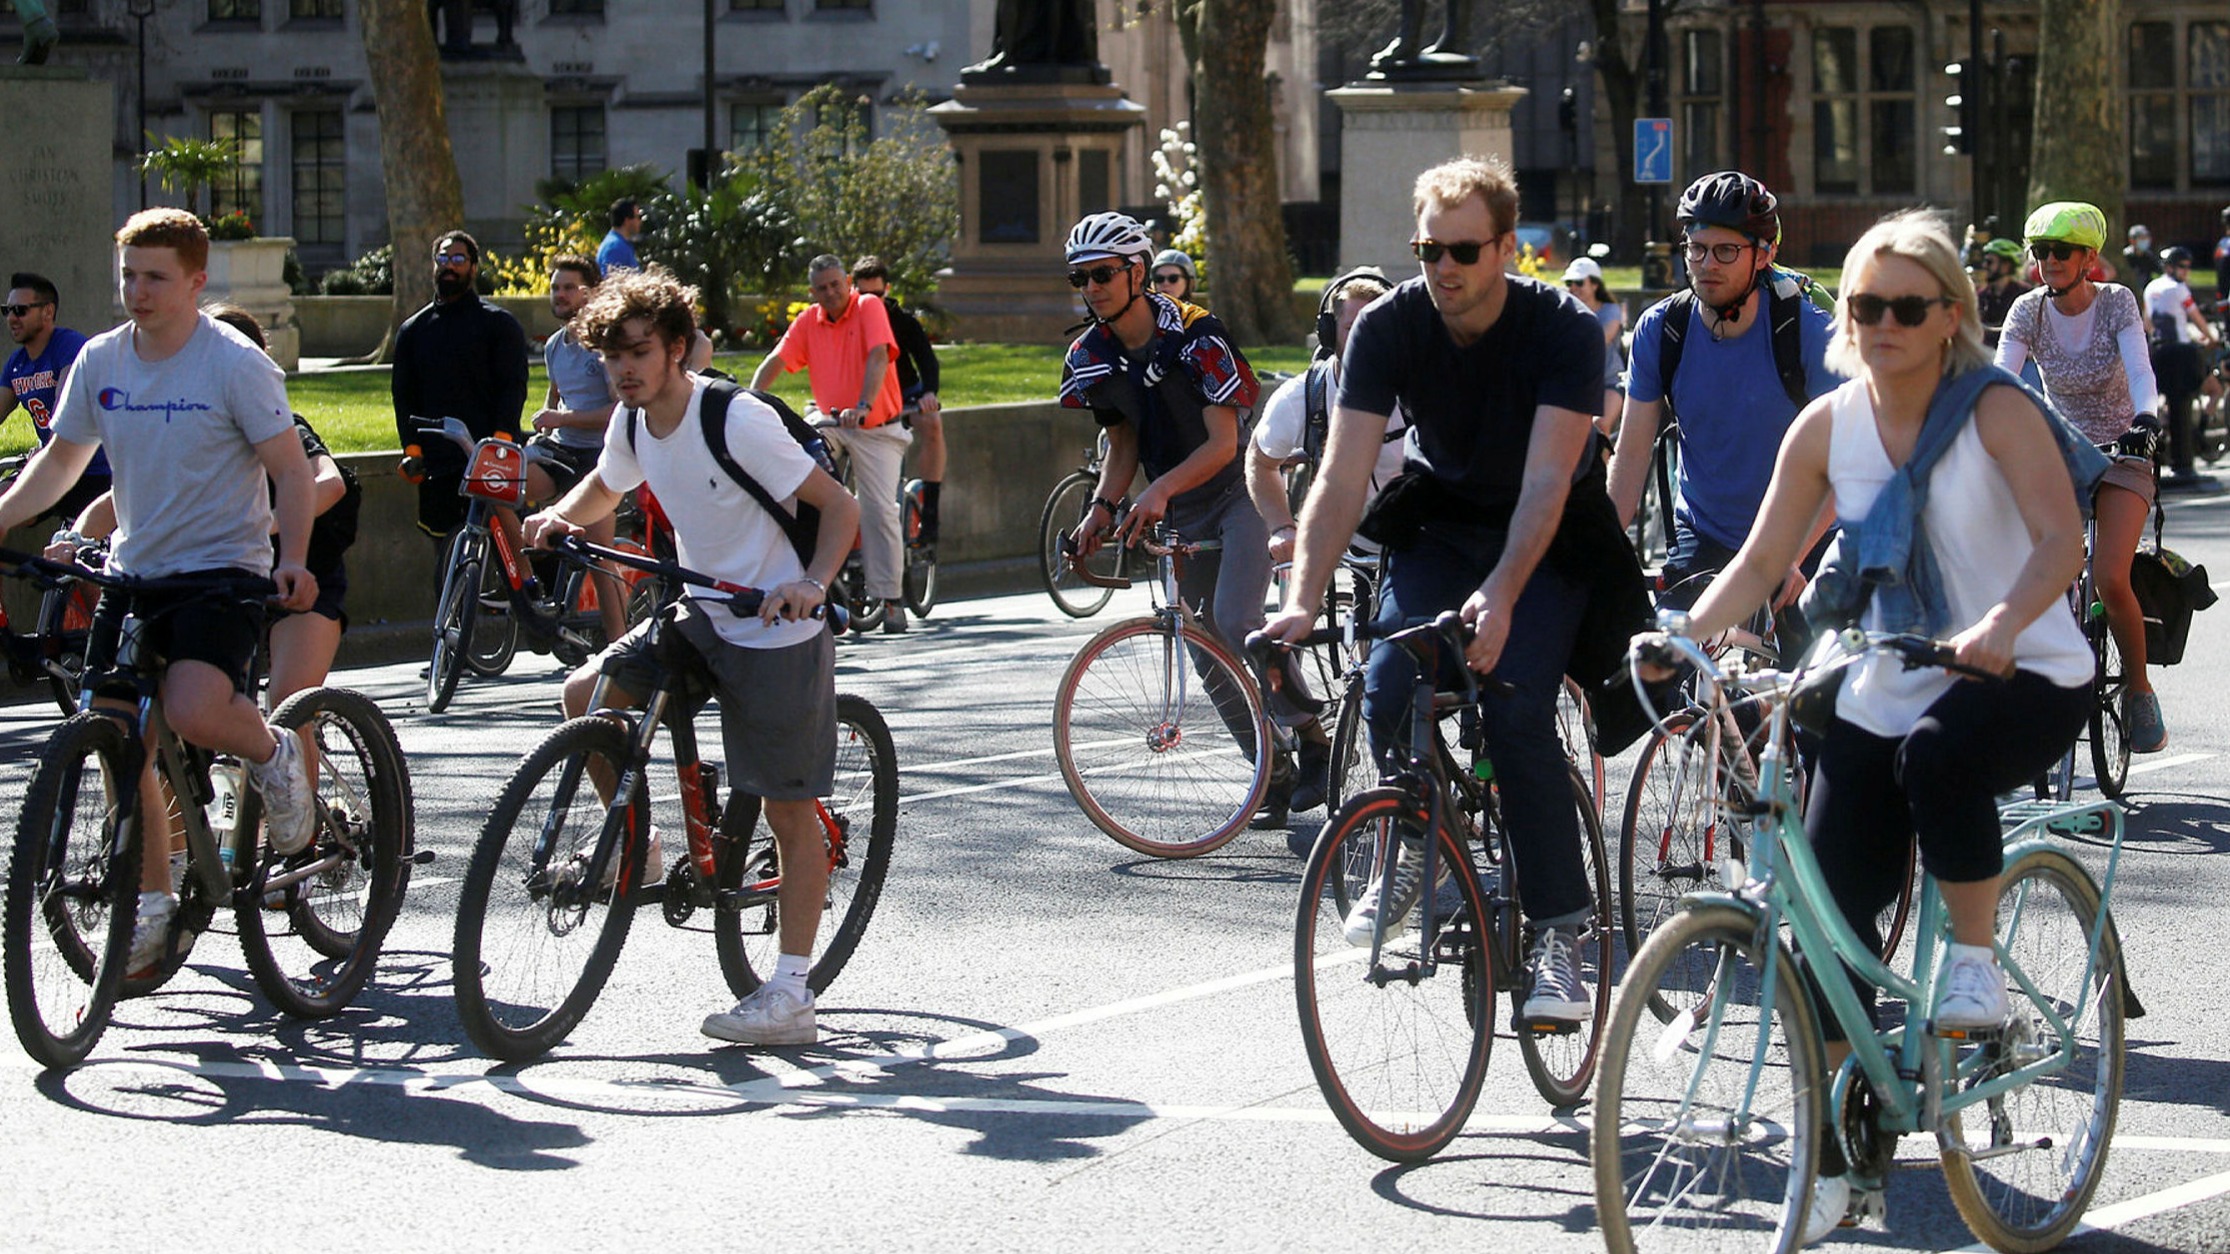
1076,596
1714,1092
555,877
310,923
53,652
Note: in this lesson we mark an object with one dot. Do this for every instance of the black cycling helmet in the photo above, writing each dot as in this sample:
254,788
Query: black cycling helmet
2175,255
1733,200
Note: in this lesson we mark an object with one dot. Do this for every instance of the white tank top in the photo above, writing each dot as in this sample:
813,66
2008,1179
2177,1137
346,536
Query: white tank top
1980,544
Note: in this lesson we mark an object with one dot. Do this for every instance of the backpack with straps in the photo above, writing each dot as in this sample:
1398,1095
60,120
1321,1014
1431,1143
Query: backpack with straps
1316,424
1785,292
803,528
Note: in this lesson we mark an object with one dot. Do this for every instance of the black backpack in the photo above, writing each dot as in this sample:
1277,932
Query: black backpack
1785,294
803,528
1316,426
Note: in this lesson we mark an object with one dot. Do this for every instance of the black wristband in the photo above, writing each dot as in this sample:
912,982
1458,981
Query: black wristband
1111,507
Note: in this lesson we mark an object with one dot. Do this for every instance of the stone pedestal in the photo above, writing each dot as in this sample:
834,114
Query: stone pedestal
499,128
1392,132
59,147
1033,159
251,273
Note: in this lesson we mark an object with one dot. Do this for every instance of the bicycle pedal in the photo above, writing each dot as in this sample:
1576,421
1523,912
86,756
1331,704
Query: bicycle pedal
1971,1036
1549,1027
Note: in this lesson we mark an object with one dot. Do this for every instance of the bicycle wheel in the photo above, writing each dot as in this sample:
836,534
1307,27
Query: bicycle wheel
851,588
1706,1127
862,812
1063,507
72,893
1575,725
453,620
920,578
1400,1060
1672,837
313,953
2022,1166
1352,768
495,632
1562,1062
65,623
2109,731
535,941
1159,737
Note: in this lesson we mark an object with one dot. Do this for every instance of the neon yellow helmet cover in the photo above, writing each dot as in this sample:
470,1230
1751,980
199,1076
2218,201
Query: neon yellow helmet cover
2070,221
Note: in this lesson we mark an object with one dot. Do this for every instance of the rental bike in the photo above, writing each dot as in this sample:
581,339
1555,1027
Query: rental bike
1715,1095
556,875
310,923
53,652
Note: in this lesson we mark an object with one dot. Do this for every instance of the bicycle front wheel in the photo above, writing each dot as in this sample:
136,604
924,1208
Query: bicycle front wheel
1562,1060
1400,1052
1063,507
453,619
65,624
1671,838
860,820
2109,730
536,934
1161,738
920,577
1707,1123
2022,1166
72,893
312,949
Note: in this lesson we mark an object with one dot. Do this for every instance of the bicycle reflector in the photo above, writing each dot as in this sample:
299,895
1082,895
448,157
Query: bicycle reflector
497,474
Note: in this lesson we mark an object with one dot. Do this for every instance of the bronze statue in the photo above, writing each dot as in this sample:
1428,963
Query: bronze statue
1448,57
39,34
1041,41
453,27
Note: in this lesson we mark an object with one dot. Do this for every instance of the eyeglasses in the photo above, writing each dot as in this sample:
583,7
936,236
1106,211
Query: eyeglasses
1102,275
1465,253
24,311
1724,254
2056,249
1867,309
1174,276
452,259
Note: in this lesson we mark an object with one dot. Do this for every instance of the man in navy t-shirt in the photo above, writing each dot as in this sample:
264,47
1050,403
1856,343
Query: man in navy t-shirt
34,374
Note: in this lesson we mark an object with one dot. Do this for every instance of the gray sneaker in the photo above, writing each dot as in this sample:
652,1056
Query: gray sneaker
2148,732
1409,876
771,1016
289,802
1558,993
151,932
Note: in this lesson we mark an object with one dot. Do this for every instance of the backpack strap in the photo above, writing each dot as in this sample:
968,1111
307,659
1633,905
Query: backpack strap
1672,338
713,415
1784,317
1316,399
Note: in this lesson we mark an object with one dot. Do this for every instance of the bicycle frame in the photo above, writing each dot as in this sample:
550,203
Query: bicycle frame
1170,609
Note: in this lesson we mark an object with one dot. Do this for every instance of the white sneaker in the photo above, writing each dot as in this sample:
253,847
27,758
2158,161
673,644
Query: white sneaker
1831,1205
774,1015
151,932
1973,995
289,802
654,863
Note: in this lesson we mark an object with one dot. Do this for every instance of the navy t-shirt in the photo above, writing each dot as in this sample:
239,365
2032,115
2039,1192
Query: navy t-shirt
37,381
1471,408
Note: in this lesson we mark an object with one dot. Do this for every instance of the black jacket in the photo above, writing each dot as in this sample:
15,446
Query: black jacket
917,361
466,360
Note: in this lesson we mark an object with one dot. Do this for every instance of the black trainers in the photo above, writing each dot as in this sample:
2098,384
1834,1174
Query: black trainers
1313,787
1277,803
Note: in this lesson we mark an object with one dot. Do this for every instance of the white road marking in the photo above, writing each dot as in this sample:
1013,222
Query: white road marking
2147,766
2108,1218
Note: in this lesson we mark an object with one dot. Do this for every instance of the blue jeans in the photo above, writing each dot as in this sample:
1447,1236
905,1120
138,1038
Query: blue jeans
1519,723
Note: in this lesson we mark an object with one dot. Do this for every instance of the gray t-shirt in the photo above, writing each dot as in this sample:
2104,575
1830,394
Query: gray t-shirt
181,436
578,374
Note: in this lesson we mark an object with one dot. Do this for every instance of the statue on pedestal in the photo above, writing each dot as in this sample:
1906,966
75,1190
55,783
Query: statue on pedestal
452,21
1040,41
1448,57
39,34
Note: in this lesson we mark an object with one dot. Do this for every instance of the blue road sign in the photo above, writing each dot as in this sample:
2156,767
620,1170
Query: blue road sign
1653,150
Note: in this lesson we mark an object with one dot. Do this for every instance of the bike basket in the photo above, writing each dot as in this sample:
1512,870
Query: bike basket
497,474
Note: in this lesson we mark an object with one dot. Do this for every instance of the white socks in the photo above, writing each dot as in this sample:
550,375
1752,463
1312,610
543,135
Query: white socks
790,971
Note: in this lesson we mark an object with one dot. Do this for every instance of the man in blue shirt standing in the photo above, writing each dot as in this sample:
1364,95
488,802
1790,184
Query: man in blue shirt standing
34,374
618,248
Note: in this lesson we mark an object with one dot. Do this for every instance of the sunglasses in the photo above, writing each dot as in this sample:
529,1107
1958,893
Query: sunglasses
23,311
1911,311
1465,253
1102,275
1174,276
2057,250
1724,254
452,259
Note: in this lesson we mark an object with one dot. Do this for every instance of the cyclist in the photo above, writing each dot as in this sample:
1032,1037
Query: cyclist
1745,350
459,357
35,371
2088,341
570,425
1175,275
195,418
1500,515
775,674
922,412
2001,285
1173,396
2179,330
1917,754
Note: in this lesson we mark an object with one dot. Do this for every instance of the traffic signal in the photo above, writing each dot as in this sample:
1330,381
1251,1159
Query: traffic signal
1964,103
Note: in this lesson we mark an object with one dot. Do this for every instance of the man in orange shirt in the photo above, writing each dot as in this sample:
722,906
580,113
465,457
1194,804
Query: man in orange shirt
845,344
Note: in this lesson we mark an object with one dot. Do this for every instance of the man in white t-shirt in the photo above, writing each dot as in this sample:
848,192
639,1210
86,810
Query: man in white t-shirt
775,673
2178,330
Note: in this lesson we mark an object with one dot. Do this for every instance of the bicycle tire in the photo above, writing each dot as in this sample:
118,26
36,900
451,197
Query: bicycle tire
1562,1063
65,625
1670,840
454,613
1352,770
1687,1153
1401,1062
2020,1202
2109,731
1575,724
336,921
495,633
920,579
851,587
1063,507
72,894
1114,723
508,1008
865,798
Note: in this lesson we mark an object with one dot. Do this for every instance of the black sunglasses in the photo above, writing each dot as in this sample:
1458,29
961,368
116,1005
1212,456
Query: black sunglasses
1174,276
1465,253
1102,275
2056,249
24,311
1867,309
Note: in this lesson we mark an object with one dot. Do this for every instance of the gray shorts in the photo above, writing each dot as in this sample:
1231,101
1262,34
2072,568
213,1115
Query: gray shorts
2131,474
777,706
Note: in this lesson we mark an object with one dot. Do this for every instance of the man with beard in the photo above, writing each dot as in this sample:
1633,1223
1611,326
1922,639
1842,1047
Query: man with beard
35,372
461,358
570,425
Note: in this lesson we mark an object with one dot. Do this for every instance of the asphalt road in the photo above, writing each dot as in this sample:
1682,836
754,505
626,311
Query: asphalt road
1043,1042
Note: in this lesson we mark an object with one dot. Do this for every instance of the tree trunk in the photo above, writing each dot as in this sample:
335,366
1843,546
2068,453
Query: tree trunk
1225,43
2078,147
424,196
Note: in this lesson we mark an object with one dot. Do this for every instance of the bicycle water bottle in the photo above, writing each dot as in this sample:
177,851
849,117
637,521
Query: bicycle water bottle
225,783
818,449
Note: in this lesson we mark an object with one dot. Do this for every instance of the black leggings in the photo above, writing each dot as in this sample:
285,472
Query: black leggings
1873,796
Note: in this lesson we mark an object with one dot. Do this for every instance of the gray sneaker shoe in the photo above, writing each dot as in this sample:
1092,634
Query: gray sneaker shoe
2148,733
770,1016
1409,876
1558,993
289,802
151,932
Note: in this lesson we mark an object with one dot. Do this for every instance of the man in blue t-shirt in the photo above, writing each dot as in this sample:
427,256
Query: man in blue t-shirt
618,249
1727,391
34,374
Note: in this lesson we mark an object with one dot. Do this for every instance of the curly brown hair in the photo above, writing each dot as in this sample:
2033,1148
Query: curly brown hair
652,294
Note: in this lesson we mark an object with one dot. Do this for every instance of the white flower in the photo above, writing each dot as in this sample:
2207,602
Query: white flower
1189,148
1161,191
1190,179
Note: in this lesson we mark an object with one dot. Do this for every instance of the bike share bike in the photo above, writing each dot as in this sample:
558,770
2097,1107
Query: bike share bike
555,877
310,923
53,652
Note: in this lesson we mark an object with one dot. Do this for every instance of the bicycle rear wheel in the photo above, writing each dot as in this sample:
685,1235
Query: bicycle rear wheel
535,939
1400,1054
862,810
1352,769
1707,1121
2022,1167
72,893
65,624
1562,1061
2109,731
1063,507
1161,738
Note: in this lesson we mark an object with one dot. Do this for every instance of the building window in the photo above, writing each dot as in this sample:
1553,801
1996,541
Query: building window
756,6
1865,112
843,124
236,10
320,178
577,141
1892,79
2152,104
1703,88
242,187
843,6
2179,90
2209,45
750,126
576,8
298,10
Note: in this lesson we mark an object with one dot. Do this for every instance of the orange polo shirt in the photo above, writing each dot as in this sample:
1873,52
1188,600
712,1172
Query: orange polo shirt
836,354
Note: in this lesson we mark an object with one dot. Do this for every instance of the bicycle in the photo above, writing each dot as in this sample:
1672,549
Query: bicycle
1397,1027
918,561
310,923
1707,1120
2210,420
1076,596
1158,727
2107,731
554,881
53,652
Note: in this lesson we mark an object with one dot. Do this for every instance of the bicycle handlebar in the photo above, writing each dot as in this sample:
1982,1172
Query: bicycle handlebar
461,435
1165,542
744,601
1672,645
49,573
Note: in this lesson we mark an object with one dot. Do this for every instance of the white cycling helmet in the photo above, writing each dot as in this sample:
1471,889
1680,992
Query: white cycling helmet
1108,235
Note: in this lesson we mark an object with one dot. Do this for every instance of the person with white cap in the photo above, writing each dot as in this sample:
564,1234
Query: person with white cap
1584,279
